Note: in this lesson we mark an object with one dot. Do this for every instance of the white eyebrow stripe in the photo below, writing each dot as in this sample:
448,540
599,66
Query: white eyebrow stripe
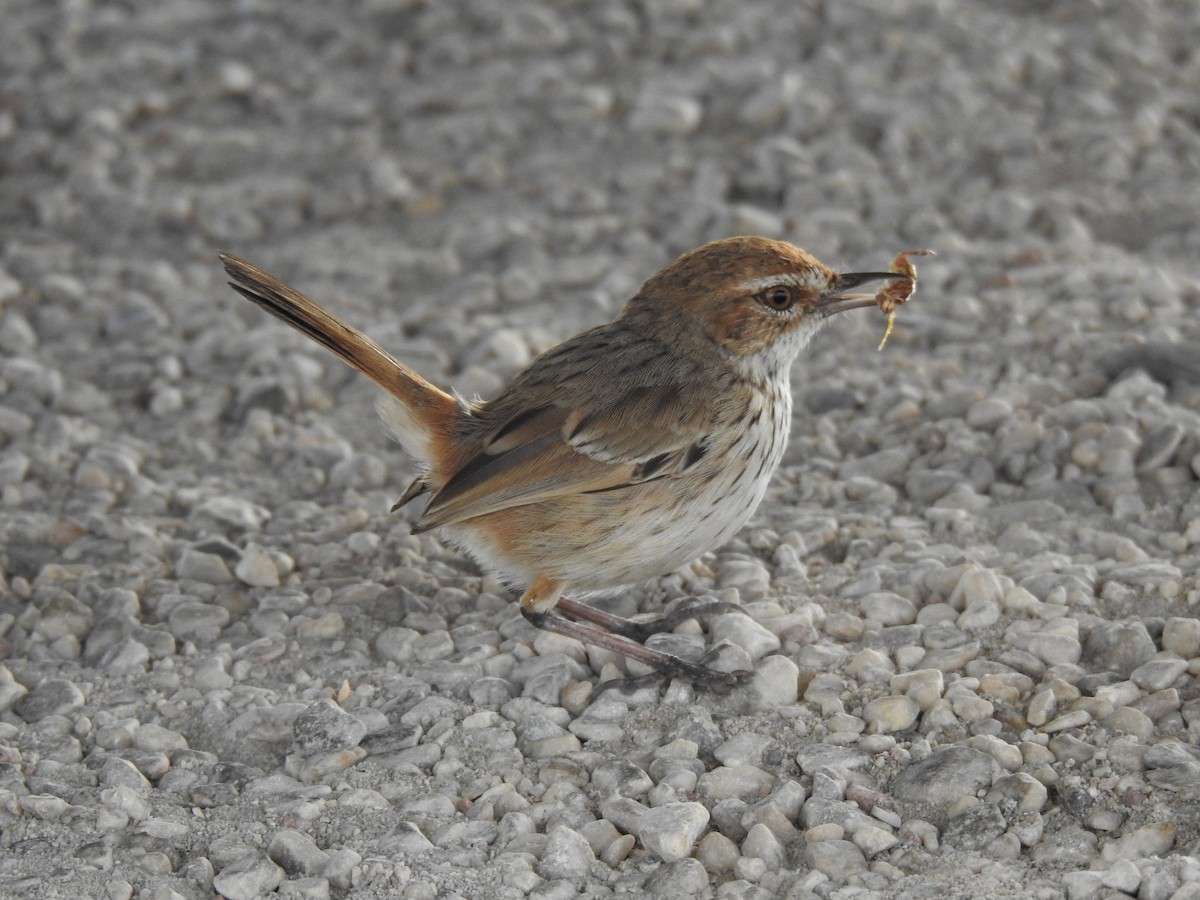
754,285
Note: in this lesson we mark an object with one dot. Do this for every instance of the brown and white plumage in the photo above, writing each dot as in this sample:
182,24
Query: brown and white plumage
624,452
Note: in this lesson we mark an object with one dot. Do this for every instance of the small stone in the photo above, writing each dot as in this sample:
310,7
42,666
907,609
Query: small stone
1122,876
1127,720
11,690
747,783
233,512
761,842
619,777
1182,637
340,868
624,813
250,877
1175,766
46,807
750,577
200,623
836,859
1008,755
682,878
1155,839
829,831
257,568
977,587
1081,885
195,565
1071,846
776,683
873,841
296,852
945,776
888,609
923,686
746,633
888,715
1076,718
1053,645
64,616
567,855
325,727
156,737
749,749
717,853
1158,674
988,414
1160,703
1068,748
975,828
670,831
618,851
1041,708
1119,647
52,697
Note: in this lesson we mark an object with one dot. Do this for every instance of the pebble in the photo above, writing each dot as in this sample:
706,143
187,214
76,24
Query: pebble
747,783
1158,674
888,609
1155,839
1119,647
247,878
567,855
257,567
1181,637
975,828
749,749
670,832
618,777
717,853
776,683
746,633
945,776
198,622
874,841
836,859
51,697
982,539
891,714
296,853
195,565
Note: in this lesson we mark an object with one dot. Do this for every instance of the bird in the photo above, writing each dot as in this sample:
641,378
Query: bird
619,455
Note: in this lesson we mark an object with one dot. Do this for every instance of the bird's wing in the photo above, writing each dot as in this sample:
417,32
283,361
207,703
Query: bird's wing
550,450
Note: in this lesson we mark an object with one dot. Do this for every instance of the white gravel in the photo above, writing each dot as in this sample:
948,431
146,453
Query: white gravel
975,609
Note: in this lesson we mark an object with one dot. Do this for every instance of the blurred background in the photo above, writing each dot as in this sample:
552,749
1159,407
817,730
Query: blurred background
471,181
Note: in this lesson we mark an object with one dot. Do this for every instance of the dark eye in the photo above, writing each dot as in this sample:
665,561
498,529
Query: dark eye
780,298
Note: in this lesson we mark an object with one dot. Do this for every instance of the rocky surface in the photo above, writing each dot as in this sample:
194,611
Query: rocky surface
973,597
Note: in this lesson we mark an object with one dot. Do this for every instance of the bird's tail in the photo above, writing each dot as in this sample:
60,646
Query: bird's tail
423,417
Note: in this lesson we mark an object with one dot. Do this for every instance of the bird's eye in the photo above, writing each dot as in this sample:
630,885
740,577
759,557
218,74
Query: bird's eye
780,298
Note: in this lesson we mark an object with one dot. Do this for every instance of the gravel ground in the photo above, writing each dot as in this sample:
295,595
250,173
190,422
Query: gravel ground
225,667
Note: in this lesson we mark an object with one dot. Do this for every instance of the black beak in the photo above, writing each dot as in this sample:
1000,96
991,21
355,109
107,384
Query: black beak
849,280
836,300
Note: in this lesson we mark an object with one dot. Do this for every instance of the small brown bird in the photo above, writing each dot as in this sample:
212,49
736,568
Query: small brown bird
621,454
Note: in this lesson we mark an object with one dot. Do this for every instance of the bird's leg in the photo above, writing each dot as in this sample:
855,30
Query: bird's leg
538,607
639,631
665,665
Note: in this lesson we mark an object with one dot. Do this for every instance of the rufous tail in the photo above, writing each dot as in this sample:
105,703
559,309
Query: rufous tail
431,412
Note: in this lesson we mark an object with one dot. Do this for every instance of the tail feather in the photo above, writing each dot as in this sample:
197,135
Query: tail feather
430,415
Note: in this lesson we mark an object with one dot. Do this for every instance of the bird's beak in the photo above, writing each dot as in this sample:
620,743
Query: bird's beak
835,299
